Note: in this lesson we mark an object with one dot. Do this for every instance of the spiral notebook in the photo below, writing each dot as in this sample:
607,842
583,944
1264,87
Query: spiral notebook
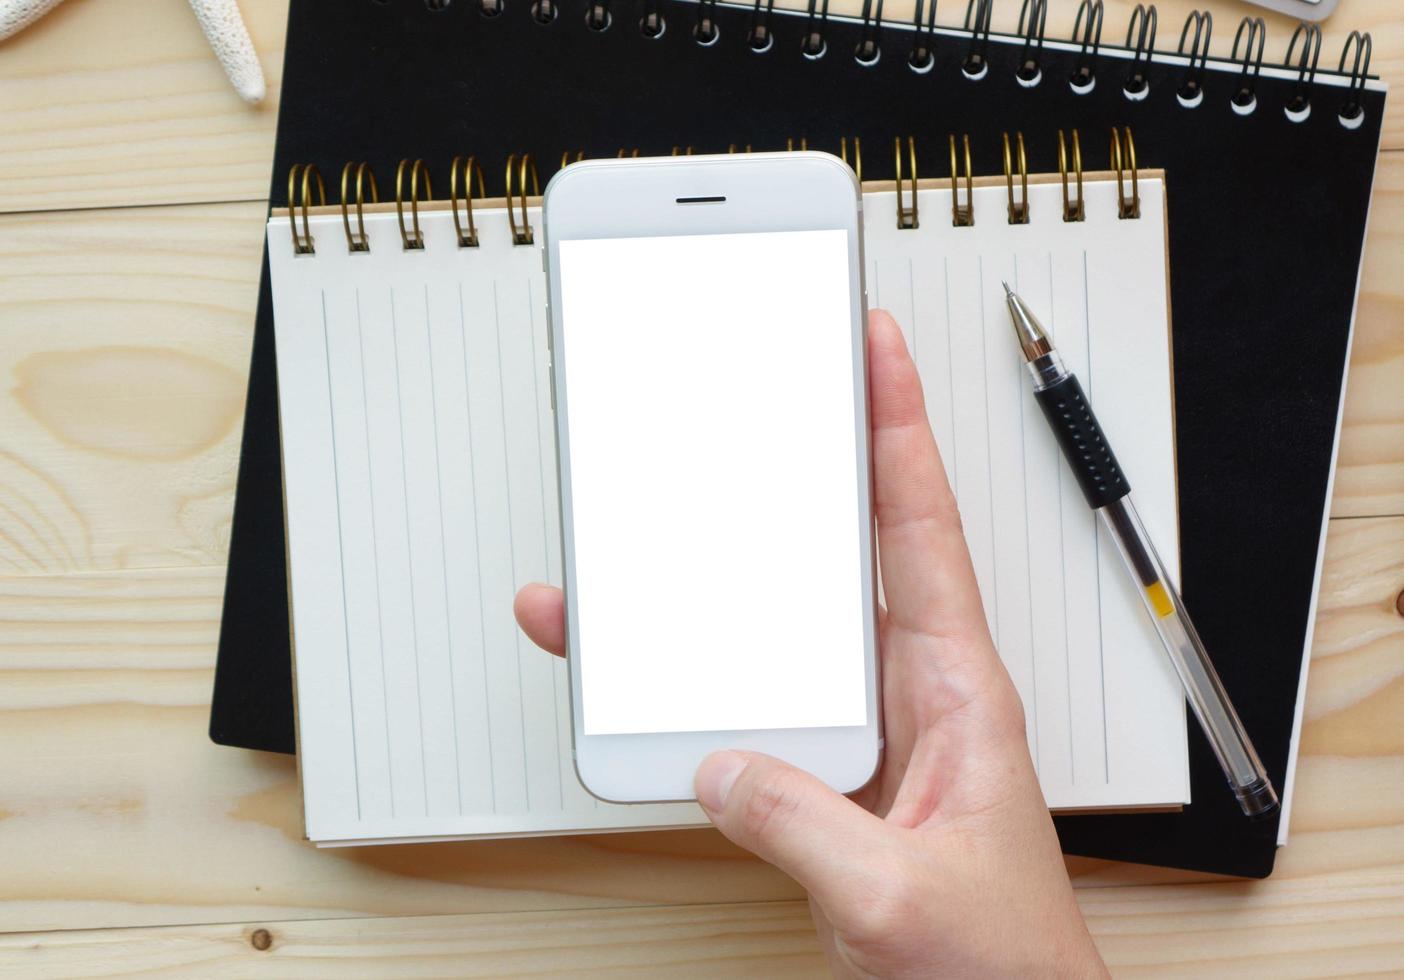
420,490
1268,151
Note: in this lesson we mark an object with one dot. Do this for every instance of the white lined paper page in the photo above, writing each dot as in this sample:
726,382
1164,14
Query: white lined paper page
421,490
421,493
1104,711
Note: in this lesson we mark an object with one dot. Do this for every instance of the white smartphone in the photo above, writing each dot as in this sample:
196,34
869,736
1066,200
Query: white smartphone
709,380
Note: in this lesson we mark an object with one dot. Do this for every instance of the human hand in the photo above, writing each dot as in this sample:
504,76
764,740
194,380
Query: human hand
947,862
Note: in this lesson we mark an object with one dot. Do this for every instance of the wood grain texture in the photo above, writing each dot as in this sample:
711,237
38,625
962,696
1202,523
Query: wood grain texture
122,102
152,120
740,940
1280,929
1348,804
1370,468
124,347
1344,924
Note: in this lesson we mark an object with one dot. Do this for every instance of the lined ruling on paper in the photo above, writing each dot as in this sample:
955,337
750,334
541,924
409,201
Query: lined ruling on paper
420,485
1103,708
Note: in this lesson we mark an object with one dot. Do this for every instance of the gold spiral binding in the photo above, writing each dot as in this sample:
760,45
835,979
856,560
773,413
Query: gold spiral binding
790,143
566,161
731,148
906,217
857,162
682,151
412,239
1073,210
357,241
1123,158
622,154
1018,210
303,245
470,167
962,215
524,165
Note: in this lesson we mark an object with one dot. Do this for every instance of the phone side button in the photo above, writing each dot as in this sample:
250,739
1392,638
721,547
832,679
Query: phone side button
551,381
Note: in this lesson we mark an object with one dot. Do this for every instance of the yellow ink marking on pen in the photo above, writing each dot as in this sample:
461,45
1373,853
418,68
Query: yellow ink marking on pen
1160,599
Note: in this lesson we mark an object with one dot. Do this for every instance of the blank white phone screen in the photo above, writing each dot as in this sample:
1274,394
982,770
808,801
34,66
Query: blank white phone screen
712,438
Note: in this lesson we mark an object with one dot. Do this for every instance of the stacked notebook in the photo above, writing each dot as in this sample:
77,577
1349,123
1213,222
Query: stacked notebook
421,493
1267,176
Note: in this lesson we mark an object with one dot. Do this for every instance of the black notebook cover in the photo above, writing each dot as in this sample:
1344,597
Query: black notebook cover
1267,223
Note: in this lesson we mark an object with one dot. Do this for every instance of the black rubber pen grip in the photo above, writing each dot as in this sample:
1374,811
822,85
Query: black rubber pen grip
1083,444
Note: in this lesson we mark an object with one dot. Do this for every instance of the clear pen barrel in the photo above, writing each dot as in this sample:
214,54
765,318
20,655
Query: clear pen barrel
1205,692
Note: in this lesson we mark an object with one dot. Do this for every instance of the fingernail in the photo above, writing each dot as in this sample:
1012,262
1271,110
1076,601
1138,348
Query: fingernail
716,776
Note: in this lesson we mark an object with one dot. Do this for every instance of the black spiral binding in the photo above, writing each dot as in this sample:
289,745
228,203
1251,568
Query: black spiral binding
922,60
813,46
544,11
977,25
1033,18
1249,43
1250,29
1088,36
597,16
1299,105
1191,90
1144,17
705,31
1352,113
651,24
868,50
759,37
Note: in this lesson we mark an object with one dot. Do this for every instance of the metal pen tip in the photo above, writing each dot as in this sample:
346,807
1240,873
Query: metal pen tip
1033,339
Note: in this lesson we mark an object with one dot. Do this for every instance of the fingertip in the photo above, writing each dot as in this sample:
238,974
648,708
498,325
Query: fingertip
883,332
540,611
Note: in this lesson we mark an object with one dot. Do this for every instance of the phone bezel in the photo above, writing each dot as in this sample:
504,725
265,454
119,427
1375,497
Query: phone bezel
639,197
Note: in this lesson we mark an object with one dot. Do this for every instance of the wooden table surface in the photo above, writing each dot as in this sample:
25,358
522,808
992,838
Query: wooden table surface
132,185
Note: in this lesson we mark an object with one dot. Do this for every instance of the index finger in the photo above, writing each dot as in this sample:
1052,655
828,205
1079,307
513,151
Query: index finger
927,575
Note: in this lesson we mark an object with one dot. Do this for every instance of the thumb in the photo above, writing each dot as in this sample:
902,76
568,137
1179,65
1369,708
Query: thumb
826,842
